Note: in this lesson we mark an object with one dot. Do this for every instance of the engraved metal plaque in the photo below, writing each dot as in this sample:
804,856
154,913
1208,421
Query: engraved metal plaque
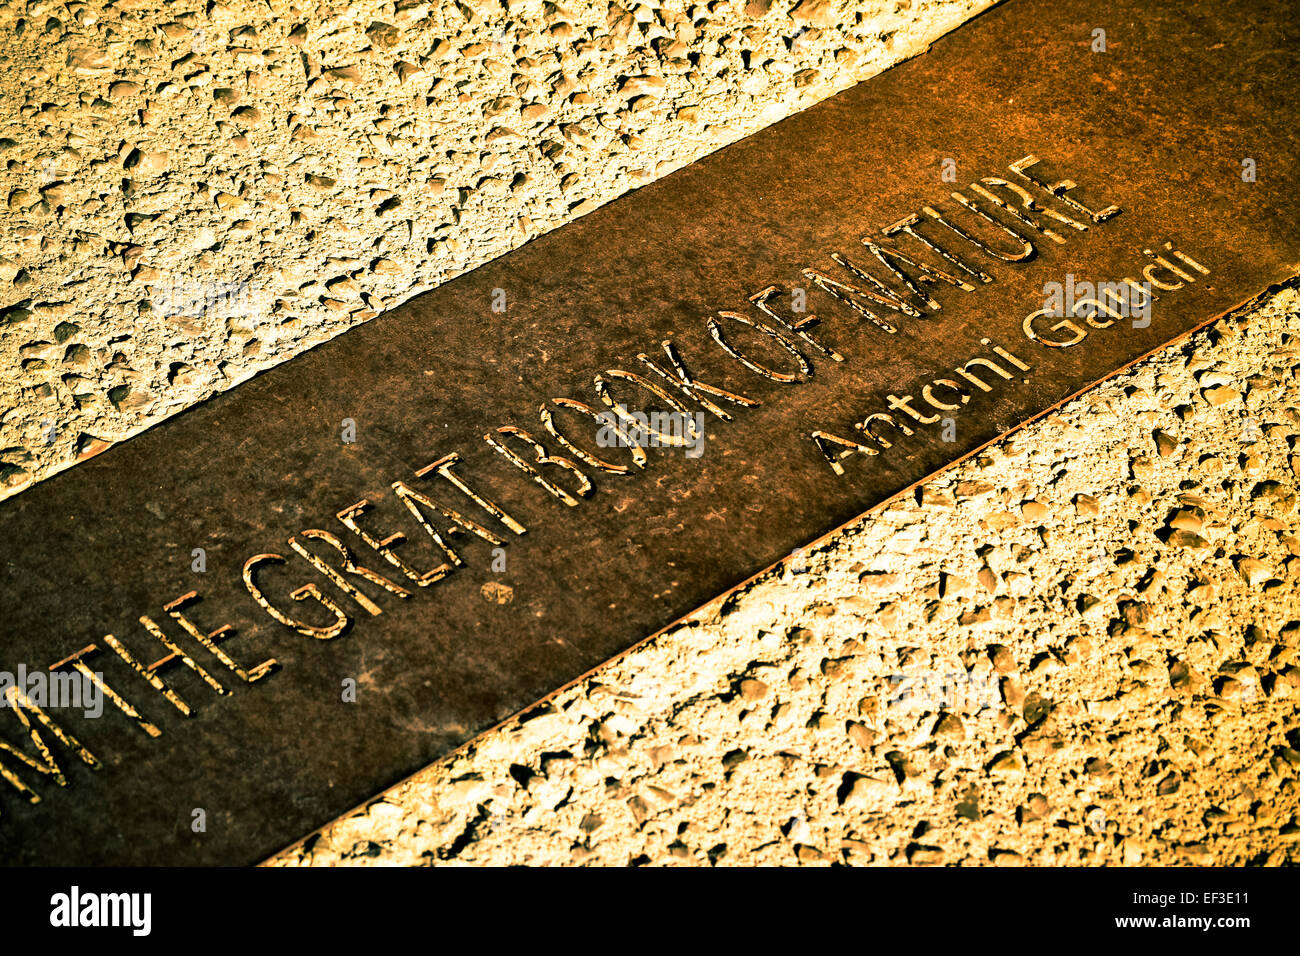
433,521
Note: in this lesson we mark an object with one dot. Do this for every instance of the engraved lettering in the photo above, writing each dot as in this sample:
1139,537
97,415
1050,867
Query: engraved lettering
715,330
19,703
209,641
349,566
630,424
444,465
341,620
153,679
176,654
906,227
1060,189
584,483
79,665
681,379
834,449
548,422
799,327
348,516
867,425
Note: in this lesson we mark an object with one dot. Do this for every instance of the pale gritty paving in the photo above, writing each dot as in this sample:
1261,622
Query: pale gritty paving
1078,647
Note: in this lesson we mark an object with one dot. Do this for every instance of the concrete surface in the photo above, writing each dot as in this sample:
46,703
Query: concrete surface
1079,647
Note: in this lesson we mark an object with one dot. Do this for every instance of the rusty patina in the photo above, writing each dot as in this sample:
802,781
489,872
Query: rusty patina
1160,124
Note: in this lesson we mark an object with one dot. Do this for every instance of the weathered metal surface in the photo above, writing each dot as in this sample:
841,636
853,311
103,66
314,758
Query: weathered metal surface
1159,124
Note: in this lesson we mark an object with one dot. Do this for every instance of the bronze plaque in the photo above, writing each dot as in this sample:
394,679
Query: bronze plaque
242,623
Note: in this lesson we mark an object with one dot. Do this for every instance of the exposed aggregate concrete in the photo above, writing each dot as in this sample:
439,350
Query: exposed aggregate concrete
1092,627
196,192
1078,647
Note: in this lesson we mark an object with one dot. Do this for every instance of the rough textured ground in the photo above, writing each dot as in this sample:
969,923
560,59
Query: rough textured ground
1079,647
195,192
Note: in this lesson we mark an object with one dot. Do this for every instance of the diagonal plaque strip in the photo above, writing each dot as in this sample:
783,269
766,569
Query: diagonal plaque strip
1158,125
